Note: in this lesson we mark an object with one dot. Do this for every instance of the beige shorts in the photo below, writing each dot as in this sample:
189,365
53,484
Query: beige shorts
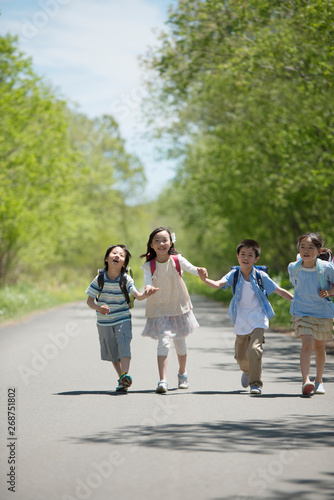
319,328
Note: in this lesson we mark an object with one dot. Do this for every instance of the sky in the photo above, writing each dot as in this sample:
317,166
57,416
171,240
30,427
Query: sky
88,50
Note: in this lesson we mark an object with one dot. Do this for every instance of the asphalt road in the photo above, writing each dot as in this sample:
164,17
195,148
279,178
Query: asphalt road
73,437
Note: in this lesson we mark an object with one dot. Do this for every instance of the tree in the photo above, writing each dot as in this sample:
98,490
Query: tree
247,91
65,180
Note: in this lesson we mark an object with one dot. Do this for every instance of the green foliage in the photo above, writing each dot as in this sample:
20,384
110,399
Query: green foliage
247,92
65,181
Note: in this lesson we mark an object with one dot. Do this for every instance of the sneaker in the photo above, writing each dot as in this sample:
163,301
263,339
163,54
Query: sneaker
255,390
124,383
183,381
307,388
162,387
319,388
244,379
121,388
125,380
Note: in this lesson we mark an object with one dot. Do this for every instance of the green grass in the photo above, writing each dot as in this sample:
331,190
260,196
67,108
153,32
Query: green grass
18,300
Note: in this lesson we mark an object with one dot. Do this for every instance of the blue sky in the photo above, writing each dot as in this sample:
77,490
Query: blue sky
88,50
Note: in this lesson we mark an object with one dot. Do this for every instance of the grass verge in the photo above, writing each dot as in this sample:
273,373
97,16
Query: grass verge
18,300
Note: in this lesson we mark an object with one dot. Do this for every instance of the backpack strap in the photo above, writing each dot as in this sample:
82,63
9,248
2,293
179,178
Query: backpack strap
122,285
320,271
259,279
294,271
235,278
257,276
177,264
100,282
153,264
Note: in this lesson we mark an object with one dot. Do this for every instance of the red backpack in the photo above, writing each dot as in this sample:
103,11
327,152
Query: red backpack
176,262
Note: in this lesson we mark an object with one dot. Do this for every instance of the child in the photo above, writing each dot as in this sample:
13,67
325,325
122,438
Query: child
169,312
312,316
113,315
250,311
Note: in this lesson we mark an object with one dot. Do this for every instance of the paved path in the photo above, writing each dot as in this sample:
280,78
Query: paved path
77,439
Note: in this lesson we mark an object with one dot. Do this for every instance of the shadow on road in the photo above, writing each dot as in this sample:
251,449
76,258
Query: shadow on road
251,436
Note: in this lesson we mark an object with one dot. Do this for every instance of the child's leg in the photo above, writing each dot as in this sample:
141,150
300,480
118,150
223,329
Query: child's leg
240,349
181,351
305,356
118,367
255,351
320,358
125,364
124,337
163,350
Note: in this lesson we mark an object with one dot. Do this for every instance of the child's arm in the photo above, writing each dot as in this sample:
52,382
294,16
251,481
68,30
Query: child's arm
203,274
102,309
149,290
283,293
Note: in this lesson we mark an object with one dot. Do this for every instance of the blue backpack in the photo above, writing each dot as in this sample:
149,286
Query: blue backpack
257,275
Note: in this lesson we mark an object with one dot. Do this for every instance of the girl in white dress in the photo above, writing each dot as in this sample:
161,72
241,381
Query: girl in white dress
169,311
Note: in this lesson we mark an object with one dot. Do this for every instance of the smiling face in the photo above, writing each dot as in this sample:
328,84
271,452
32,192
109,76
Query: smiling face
161,244
247,258
308,252
116,259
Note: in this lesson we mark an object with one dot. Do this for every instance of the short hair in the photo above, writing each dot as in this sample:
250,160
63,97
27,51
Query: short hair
249,244
127,256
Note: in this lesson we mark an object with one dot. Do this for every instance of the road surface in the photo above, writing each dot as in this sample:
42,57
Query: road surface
70,436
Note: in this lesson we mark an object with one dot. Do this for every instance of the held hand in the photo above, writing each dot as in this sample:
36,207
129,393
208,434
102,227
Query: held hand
150,290
104,309
202,273
323,294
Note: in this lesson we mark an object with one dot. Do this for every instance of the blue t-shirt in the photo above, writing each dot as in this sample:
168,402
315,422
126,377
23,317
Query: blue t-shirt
307,301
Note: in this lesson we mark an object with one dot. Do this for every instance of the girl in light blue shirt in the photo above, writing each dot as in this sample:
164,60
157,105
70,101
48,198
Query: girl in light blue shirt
311,309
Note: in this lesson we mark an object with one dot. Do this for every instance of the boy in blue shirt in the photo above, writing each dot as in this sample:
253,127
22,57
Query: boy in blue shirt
249,310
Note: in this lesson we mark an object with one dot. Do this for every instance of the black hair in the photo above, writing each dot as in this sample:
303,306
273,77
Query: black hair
250,244
326,254
127,256
314,237
150,253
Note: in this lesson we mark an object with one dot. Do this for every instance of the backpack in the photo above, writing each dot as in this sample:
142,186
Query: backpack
176,262
122,284
320,272
257,275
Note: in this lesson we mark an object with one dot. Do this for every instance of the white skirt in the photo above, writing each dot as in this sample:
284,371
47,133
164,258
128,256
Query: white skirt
174,326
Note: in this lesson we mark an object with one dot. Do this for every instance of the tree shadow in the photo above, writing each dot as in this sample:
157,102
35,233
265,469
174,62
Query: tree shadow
251,436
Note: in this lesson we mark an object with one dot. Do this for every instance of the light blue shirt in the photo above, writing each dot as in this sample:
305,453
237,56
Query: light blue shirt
269,286
306,301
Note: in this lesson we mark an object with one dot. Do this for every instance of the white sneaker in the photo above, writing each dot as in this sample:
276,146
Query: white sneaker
255,390
319,388
183,382
162,387
244,380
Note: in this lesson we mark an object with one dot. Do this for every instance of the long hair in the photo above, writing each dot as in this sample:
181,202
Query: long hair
150,253
127,256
